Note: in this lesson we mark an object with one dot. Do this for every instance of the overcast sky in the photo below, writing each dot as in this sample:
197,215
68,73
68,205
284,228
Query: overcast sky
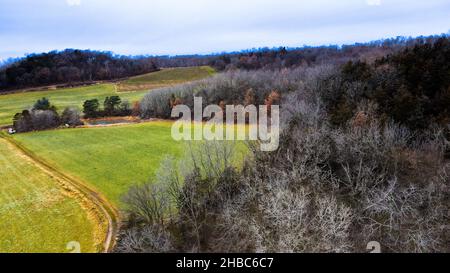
207,26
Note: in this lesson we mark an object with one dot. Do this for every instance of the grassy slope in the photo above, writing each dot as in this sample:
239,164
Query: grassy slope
109,158
165,77
36,215
12,103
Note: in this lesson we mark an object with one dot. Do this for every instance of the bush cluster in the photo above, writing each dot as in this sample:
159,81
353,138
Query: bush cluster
112,106
44,116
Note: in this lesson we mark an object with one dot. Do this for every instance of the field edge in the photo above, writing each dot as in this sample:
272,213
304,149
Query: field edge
102,207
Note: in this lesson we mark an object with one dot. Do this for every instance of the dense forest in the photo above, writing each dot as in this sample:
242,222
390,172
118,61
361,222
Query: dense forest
410,86
75,66
70,66
363,156
283,57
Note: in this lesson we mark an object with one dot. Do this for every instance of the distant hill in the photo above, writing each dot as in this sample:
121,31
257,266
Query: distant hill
70,66
80,66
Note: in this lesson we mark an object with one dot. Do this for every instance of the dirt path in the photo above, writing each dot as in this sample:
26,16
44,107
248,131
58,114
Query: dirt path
93,201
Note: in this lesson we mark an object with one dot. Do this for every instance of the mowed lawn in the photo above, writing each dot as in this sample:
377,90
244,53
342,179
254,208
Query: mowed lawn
36,214
132,90
109,158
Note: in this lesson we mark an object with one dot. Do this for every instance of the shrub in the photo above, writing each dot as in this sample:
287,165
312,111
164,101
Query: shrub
111,105
35,120
136,110
42,116
23,122
149,239
43,104
91,108
43,120
125,108
71,116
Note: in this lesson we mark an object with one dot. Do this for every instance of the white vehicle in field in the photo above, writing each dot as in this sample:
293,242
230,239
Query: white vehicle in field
11,131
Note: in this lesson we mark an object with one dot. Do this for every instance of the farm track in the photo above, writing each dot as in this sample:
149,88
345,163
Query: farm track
100,203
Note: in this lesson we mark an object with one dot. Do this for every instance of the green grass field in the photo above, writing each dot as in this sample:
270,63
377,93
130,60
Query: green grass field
166,77
137,87
109,158
36,214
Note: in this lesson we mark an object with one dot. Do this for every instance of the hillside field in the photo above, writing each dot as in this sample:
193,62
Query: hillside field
166,77
36,213
136,87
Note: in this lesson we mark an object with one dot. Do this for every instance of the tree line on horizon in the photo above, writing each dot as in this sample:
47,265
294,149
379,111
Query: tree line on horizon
291,57
80,66
69,67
